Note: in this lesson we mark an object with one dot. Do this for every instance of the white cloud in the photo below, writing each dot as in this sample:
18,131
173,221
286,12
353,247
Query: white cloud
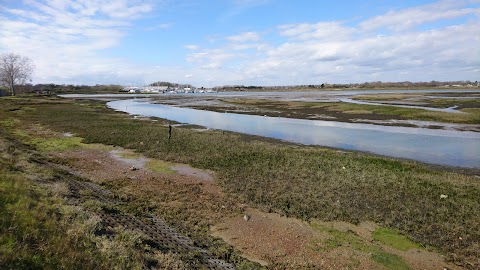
424,55
431,42
412,17
245,37
321,30
213,59
333,51
191,47
63,37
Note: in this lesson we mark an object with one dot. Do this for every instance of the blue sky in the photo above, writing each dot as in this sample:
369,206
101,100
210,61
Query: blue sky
251,42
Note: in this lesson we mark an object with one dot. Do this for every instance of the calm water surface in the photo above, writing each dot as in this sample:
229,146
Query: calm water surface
446,147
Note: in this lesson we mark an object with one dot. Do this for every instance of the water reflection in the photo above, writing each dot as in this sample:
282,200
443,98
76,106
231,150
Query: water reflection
445,147
450,110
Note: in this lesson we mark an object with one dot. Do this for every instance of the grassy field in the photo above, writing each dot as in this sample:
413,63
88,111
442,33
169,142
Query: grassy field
297,181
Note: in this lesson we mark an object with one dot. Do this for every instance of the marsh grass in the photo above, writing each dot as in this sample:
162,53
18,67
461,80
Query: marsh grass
473,117
38,230
41,229
394,239
58,144
77,225
339,239
470,108
298,181
160,166
427,99
130,155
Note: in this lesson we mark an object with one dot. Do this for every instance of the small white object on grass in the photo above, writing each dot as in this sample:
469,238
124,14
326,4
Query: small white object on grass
443,196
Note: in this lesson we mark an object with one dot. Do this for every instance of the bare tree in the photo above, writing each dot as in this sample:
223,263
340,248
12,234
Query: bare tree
15,70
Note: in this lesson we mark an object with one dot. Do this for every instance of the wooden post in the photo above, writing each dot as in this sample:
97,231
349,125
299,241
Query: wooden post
169,133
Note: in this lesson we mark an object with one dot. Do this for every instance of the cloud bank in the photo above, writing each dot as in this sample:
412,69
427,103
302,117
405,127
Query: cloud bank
67,40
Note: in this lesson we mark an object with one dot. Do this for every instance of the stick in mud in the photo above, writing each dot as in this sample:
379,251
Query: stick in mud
169,133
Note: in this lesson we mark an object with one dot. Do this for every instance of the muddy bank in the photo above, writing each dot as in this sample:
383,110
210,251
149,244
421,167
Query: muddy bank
318,109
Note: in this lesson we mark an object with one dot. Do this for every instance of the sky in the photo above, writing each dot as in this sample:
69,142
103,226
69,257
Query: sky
243,42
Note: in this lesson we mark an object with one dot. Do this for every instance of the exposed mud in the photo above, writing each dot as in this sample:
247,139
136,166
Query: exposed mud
134,162
268,237
187,170
325,114
277,106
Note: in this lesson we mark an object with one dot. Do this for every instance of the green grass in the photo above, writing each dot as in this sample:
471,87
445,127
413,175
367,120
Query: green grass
130,155
390,261
160,166
9,122
350,239
394,239
298,181
58,144
38,230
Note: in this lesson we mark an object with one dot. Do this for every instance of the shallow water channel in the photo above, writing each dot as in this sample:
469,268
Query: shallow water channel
445,147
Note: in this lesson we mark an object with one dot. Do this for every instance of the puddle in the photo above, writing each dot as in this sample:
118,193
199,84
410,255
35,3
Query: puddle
135,160
138,161
190,171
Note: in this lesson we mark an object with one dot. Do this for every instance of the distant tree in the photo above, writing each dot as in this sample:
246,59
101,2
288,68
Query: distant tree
15,70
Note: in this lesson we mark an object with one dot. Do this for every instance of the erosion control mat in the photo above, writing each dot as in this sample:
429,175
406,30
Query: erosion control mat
159,235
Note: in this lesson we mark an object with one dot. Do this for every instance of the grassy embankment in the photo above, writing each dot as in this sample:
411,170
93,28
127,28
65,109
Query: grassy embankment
303,182
340,110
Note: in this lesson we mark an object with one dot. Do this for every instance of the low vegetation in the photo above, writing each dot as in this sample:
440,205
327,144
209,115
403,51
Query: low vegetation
44,224
394,239
40,230
297,181
348,111
472,100
339,238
